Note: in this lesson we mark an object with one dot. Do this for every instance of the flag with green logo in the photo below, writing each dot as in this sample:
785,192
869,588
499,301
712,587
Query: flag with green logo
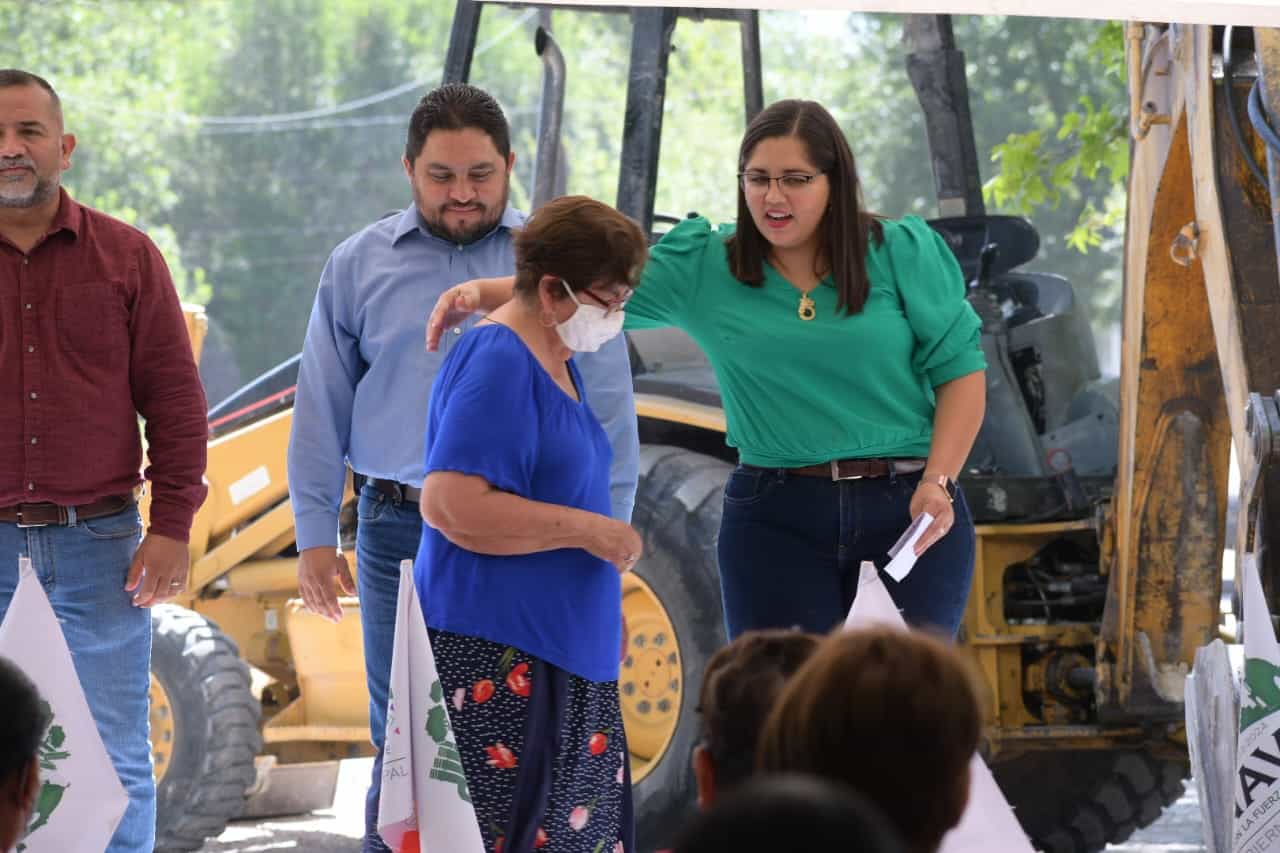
1257,796
425,806
81,800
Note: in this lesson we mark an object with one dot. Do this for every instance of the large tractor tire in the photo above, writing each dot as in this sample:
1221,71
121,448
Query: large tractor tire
1081,801
204,728
673,610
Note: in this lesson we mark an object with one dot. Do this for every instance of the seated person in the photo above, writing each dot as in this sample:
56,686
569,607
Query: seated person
786,813
26,718
739,687
894,714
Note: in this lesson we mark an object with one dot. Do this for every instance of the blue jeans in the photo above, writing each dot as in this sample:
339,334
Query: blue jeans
82,569
791,546
388,533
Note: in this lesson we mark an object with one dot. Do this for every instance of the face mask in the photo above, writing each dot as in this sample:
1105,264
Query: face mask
589,327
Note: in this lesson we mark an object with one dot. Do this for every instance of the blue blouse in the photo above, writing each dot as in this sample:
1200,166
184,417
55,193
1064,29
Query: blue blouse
496,413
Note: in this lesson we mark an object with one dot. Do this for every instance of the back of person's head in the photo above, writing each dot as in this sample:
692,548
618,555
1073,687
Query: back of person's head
580,240
457,106
26,718
892,713
739,687
789,814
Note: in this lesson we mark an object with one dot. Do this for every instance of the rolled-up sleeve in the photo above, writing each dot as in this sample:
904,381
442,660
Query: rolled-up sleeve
948,333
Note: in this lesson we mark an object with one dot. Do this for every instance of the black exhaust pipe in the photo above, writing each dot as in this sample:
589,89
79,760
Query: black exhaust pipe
548,183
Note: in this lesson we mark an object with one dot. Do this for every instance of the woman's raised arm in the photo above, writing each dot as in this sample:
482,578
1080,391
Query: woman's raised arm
462,300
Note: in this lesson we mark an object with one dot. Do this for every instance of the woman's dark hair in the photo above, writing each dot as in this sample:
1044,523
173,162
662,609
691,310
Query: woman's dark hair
790,812
457,106
846,230
26,718
580,240
892,713
739,687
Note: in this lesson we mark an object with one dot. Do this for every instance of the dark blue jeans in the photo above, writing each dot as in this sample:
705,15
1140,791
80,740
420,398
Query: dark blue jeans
790,548
388,532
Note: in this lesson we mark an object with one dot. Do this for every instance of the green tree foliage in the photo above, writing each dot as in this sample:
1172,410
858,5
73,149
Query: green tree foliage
251,138
1080,154
119,68
1025,75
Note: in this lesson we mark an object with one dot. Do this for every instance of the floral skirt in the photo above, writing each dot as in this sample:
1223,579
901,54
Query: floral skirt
543,750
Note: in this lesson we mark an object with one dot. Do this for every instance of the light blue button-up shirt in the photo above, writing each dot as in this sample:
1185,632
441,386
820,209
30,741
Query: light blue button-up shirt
366,374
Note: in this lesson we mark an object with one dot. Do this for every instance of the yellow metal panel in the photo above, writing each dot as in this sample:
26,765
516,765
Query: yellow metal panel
197,327
256,577
1175,441
254,624
329,660
247,471
247,542
672,410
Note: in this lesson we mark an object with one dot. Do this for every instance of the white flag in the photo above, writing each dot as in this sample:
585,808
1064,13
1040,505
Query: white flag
425,806
988,824
81,799
1257,792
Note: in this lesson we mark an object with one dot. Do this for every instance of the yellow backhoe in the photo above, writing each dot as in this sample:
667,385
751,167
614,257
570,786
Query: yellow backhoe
1101,505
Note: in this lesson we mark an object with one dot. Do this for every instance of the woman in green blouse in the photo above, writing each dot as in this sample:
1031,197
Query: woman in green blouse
851,372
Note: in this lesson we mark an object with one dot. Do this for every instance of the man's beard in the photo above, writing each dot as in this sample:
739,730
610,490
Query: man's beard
44,189
488,219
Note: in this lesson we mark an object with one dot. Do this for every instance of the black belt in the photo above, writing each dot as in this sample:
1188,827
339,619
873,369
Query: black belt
398,492
46,514
857,469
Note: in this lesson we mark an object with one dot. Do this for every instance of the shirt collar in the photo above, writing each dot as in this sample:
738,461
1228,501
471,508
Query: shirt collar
411,220
69,217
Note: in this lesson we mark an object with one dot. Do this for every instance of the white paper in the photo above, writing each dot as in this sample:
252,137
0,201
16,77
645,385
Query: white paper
81,799
902,556
988,824
424,791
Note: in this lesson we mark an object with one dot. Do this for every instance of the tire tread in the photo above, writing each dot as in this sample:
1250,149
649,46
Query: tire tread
232,739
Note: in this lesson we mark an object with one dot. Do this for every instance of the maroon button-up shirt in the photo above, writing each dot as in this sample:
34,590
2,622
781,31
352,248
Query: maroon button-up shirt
91,336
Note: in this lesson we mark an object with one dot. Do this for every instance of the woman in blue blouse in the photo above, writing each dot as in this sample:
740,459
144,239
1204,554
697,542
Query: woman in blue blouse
518,567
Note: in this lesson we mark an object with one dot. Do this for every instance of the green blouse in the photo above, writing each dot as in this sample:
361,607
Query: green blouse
800,392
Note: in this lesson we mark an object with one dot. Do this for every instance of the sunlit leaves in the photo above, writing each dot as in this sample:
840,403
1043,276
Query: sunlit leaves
1036,167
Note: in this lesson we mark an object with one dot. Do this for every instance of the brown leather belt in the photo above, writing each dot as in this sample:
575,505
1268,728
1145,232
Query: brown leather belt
46,514
857,469
398,492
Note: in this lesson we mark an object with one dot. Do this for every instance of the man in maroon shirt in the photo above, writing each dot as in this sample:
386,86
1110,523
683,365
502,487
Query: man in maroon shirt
91,336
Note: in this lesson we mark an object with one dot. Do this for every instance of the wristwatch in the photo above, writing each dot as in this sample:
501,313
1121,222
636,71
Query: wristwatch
943,482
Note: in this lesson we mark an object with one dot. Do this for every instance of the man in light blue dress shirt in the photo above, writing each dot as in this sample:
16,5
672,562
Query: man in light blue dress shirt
365,374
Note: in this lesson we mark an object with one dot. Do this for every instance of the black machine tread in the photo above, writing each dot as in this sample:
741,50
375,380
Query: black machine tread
1110,795
212,693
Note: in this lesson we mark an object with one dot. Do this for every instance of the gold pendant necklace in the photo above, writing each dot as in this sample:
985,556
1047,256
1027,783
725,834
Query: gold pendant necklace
806,308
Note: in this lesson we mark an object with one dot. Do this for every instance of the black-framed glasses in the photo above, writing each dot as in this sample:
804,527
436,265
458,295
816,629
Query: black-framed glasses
758,182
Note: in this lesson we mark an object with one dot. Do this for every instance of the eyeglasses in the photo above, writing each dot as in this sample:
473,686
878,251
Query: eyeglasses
610,306
757,183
